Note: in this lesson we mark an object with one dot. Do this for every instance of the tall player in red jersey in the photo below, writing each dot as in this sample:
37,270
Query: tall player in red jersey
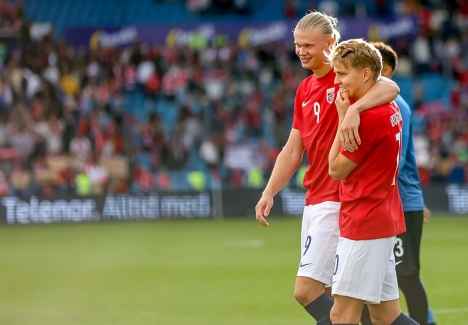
314,126
371,213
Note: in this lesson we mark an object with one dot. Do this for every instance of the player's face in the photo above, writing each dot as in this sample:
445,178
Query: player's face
349,78
310,47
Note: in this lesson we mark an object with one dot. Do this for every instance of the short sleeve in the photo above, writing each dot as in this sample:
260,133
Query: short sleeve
368,134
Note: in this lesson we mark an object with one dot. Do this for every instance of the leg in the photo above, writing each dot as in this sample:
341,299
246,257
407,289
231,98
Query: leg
319,239
365,317
360,267
366,272
430,316
307,290
346,310
384,313
407,251
311,295
416,298
388,312
404,320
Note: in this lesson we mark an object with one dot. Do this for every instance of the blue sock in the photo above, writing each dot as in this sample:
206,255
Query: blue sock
404,320
320,308
430,317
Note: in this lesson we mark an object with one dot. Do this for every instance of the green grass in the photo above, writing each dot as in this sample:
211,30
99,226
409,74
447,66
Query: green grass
187,272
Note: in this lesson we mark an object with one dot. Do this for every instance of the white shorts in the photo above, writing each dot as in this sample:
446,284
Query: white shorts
365,270
319,239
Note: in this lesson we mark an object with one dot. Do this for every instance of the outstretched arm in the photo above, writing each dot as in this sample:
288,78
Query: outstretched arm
286,165
384,91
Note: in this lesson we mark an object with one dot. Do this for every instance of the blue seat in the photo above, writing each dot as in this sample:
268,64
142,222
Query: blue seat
144,160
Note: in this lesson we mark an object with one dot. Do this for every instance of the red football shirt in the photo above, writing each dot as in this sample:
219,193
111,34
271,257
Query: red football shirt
370,203
316,119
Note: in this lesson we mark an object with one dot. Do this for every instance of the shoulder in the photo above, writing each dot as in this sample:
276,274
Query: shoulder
404,107
402,104
308,81
304,85
380,110
380,114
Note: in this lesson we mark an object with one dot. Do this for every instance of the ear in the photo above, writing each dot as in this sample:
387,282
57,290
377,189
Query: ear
387,71
331,42
367,74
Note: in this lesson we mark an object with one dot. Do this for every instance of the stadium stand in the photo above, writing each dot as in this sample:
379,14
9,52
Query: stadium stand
144,117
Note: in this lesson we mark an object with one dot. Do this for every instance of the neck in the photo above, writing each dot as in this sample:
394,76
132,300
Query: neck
322,71
363,91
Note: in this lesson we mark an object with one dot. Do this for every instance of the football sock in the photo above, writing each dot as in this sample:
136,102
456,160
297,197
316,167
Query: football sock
365,317
324,322
416,298
430,317
404,320
320,308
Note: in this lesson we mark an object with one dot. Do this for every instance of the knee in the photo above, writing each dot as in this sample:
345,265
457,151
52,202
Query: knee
305,295
302,296
307,290
335,315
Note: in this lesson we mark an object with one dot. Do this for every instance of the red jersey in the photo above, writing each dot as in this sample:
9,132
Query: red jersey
370,203
316,118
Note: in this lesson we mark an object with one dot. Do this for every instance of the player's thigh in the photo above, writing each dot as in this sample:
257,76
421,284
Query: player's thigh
385,312
365,270
319,239
407,245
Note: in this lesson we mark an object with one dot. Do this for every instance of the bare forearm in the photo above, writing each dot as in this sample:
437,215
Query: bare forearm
285,167
380,93
335,150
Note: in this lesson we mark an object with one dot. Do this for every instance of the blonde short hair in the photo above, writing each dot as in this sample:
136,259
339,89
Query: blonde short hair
358,54
325,23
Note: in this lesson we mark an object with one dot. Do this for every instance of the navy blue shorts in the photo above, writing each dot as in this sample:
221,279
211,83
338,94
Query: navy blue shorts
407,245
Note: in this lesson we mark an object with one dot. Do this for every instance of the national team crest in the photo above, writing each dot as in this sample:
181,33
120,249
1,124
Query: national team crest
330,95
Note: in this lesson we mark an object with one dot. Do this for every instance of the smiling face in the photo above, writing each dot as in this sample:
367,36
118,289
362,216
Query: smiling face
351,79
357,65
310,47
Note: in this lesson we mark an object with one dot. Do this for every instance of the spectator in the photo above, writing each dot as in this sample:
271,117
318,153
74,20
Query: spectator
185,107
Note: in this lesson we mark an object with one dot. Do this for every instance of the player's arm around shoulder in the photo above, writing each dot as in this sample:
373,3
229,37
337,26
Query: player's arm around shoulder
286,165
382,92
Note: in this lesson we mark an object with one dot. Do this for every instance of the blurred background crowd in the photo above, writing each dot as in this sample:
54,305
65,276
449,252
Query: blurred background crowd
145,117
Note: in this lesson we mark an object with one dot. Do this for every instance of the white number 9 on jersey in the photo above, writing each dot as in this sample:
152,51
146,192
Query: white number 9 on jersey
317,111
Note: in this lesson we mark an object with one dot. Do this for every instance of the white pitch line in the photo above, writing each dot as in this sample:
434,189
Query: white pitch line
246,243
451,310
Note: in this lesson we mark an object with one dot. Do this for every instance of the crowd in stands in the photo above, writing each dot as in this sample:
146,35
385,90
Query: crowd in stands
145,118
218,6
11,16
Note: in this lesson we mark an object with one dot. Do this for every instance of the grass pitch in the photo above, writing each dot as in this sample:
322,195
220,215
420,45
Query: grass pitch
188,272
